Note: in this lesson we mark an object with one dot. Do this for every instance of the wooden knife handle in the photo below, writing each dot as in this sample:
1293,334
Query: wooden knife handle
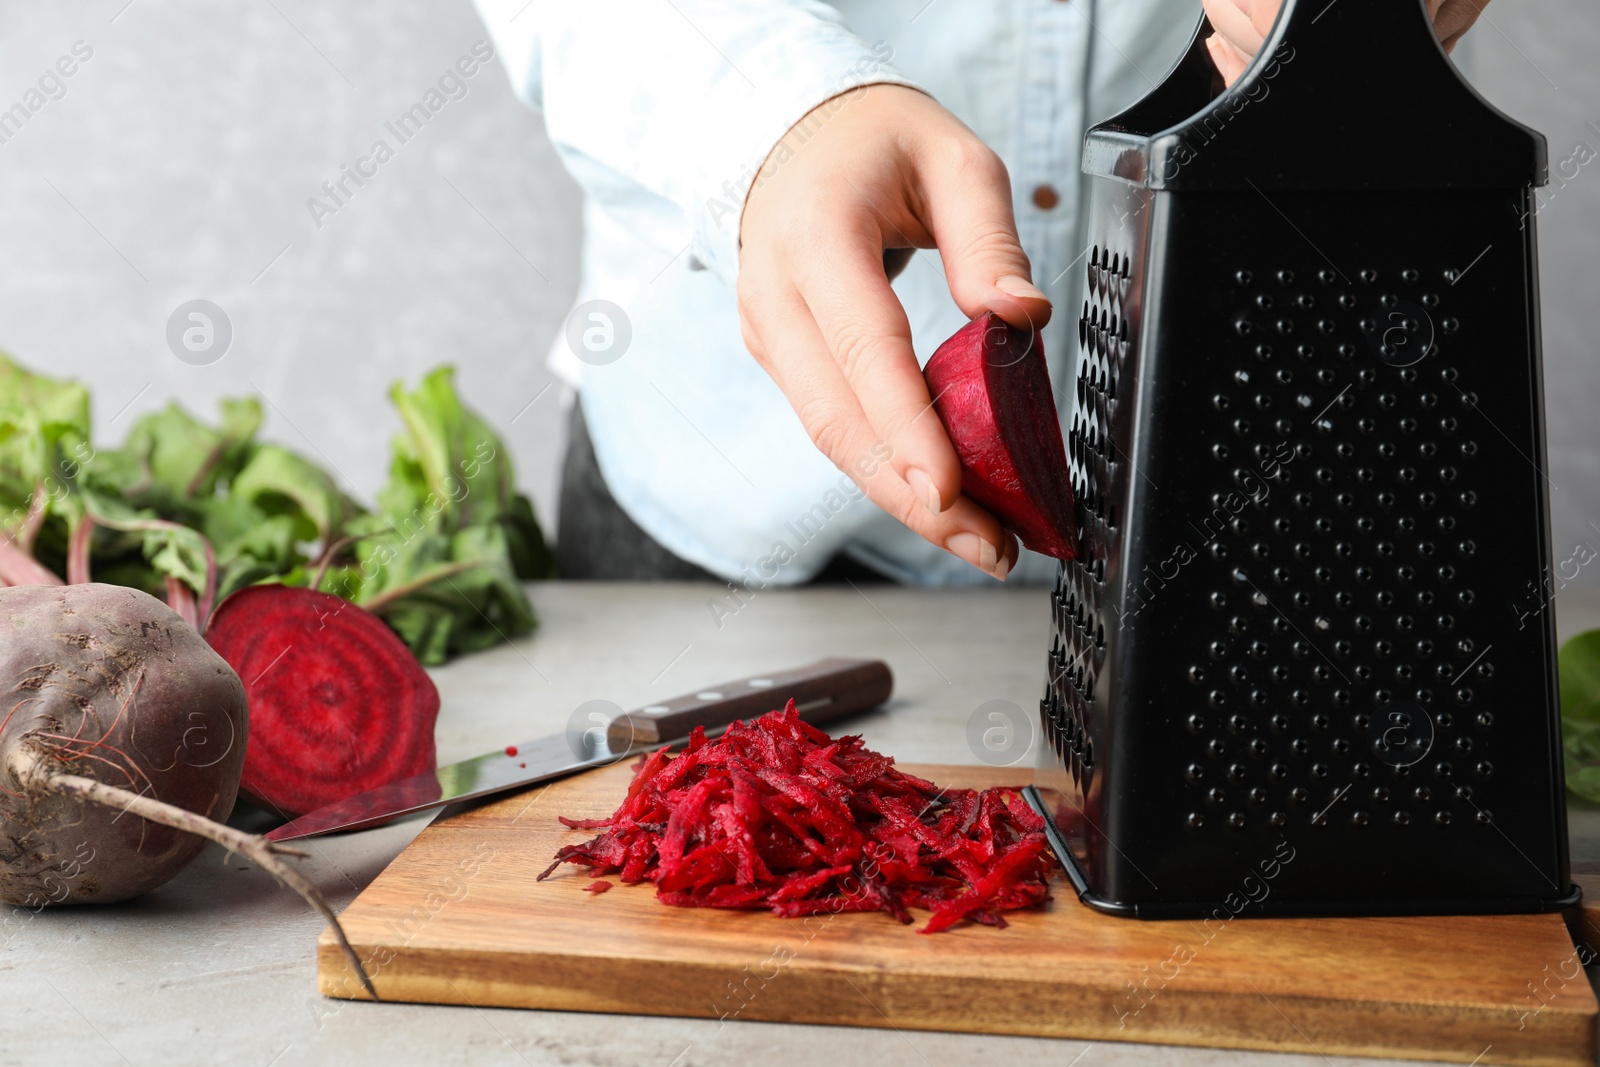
823,691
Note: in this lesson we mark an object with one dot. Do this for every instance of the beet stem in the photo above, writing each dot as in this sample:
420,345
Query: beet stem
29,529
78,551
327,558
207,596
378,604
180,598
31,771
19,568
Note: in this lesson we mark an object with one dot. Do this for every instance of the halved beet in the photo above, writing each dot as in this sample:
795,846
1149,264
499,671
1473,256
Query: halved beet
338,704
992,391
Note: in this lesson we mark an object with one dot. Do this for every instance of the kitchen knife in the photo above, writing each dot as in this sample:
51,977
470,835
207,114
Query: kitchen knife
823,691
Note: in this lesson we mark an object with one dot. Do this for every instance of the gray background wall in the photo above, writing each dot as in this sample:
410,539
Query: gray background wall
179,161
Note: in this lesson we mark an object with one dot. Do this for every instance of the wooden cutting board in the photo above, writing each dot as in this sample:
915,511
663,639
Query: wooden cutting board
459,919
1584,920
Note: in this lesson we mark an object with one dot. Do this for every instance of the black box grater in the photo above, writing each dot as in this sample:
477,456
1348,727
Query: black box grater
1308,454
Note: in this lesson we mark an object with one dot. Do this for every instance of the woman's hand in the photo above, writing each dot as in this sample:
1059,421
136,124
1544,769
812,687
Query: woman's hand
1242,26
879,169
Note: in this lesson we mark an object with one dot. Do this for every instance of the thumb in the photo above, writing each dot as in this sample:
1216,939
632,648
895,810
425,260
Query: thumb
1263,13
970,218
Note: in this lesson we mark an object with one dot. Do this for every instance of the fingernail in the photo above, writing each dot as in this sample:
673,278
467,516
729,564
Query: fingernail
1002,568
1020,287
976,551
926,491
1010,553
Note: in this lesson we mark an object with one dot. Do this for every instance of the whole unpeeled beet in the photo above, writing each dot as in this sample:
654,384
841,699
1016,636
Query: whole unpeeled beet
108,682
991,389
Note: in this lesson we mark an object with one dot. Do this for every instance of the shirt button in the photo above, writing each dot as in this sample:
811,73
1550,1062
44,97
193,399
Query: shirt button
1045,197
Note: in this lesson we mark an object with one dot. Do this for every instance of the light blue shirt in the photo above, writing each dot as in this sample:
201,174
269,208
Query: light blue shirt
663,111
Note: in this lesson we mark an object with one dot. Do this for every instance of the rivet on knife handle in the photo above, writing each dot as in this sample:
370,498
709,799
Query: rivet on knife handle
826,690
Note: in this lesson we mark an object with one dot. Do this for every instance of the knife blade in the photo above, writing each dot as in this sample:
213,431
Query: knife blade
823,691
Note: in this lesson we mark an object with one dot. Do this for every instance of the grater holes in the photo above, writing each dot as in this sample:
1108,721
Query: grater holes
1403,446
1079,645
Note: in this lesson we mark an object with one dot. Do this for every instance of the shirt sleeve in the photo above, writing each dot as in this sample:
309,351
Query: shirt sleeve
664,110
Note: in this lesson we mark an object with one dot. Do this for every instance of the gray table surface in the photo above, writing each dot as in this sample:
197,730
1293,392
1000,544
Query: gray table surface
218,965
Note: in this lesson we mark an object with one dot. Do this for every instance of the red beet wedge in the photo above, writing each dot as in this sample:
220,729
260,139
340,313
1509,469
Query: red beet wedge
992,391
338,704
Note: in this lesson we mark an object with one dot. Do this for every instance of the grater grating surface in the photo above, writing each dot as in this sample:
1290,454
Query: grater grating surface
1308,463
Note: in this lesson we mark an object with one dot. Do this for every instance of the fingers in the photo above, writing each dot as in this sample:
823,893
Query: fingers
896,260
1242,26
817,311
1241,29
1263,13
790,345
1235,21
1229,60
861,321
977,549
967,207
1452,18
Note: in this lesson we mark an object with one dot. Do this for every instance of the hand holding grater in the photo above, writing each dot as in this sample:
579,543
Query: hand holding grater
1308,456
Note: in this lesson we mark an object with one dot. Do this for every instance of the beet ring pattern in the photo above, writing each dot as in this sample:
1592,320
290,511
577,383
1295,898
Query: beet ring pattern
338,704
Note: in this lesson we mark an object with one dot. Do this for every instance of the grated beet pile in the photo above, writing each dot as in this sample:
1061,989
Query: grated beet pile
776,814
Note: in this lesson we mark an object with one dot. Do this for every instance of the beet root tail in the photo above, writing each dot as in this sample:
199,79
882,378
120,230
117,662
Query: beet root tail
36,777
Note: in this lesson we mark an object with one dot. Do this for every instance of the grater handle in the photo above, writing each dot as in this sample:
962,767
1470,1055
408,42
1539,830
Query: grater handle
1385,32
1304,114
